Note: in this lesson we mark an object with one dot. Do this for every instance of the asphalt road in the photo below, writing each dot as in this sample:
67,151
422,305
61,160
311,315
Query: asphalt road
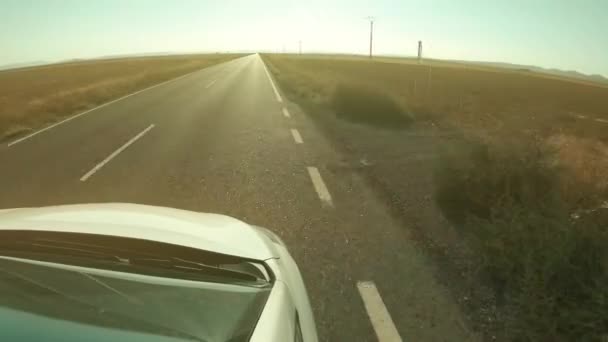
222,140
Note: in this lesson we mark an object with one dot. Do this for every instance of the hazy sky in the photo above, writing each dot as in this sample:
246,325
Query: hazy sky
567,34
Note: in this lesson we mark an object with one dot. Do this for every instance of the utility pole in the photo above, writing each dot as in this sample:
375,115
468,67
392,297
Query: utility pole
419,51
371,35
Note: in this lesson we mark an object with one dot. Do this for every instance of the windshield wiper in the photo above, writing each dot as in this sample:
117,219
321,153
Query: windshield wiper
193,266
59,249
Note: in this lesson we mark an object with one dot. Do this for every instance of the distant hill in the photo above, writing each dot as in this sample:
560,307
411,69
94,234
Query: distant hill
22,65
117,56
571,74
157,54
555,72
133,55
76,60
520,67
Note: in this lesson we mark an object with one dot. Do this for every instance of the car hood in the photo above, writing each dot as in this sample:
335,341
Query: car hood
211,232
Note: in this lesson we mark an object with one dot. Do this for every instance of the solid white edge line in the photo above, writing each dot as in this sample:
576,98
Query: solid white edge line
210,84
296,136
115,153
319,185
98,107
286,112
378,314
276,92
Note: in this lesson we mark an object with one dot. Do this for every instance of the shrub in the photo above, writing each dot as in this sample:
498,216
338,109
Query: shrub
476,176
548,269
362,104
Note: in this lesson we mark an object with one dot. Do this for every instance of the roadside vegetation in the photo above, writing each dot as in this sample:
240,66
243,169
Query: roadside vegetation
33,97
538,230
519,173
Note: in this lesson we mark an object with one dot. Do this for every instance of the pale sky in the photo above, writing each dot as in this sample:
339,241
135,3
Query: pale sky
565,34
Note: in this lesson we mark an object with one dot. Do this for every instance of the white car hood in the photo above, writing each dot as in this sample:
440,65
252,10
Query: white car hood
211,232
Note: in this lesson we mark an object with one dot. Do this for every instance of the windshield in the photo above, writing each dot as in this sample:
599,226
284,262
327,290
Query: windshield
437,169
116,300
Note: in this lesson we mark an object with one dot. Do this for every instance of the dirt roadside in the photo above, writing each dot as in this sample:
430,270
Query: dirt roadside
399,164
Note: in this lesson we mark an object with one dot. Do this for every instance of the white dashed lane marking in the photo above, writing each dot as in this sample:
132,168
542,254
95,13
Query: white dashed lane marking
286,112
319,185
296,136
210,84
377,312
115,153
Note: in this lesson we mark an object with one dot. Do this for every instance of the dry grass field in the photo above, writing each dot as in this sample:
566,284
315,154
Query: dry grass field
502,174
33,97
473,96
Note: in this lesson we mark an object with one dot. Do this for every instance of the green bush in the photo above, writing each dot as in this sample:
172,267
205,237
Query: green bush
548,269
363,104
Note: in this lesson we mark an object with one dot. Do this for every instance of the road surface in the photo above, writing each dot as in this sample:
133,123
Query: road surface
224,139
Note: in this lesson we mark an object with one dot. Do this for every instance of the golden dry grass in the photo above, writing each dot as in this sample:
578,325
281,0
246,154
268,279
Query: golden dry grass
33,97
584,163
